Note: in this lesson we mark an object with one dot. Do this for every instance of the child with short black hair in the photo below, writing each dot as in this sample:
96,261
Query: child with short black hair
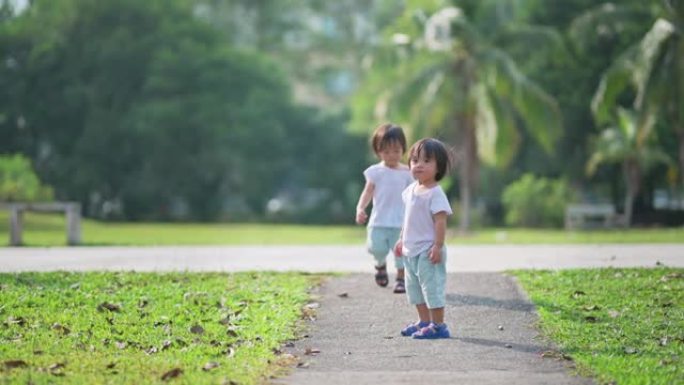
384,183
422,239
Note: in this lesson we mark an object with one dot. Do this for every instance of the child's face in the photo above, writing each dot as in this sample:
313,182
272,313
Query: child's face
423,170
391,154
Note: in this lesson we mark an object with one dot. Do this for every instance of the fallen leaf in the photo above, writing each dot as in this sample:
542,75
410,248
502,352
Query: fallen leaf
630,350
56,369
60,328
11,320
311,351
109,306
232,331
209,366
173,373
11,364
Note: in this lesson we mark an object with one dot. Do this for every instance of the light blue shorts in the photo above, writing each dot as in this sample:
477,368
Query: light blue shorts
380,242
425,281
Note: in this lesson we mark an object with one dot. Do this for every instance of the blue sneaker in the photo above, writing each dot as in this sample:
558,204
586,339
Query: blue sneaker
412,328
432,332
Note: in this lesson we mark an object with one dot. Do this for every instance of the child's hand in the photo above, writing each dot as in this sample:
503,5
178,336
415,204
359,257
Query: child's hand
435,254
361,216
397,248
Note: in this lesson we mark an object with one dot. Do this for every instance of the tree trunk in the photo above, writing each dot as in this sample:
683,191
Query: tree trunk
632,180
467,169
465,121
681,157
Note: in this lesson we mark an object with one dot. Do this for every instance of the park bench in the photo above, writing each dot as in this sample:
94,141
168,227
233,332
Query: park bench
585,215
72,210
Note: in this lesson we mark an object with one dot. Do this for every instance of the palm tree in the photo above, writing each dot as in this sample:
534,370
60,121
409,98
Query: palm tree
630,143
447,78
653,69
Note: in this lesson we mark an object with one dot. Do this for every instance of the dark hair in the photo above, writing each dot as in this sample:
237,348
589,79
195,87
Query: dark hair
432,148
386,134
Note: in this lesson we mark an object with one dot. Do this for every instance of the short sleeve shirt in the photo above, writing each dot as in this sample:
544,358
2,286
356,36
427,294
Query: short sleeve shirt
418,233
388,207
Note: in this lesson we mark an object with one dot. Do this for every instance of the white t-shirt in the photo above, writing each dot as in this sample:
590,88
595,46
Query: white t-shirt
418,234
388,207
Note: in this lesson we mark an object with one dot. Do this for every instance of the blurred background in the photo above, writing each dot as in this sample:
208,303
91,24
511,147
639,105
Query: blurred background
260,111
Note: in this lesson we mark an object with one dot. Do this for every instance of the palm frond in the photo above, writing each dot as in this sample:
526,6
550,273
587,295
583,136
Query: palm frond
497,132
634,67
538,110
603,20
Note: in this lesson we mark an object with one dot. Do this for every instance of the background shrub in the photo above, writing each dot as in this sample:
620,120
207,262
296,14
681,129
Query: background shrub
536,202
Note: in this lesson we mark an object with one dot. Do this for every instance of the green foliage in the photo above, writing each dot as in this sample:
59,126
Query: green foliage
122,328
144,110
536,202
18,181
622,326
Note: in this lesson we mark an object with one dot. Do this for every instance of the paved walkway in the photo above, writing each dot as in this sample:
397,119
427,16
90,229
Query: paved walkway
330,258
357,324
357,335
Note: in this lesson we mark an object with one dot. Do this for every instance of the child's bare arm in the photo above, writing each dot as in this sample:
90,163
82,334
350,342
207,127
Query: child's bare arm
440,220
364,200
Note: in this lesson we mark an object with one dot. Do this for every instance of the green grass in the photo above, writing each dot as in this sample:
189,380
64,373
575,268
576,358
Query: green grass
623,326
132,328
49,230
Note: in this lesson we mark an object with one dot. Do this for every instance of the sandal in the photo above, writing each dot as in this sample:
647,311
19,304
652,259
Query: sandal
413,328
432,332
399,286
381,276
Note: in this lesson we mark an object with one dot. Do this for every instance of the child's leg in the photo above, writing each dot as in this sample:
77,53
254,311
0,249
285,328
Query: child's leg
377,245
425,314
437,315
433,285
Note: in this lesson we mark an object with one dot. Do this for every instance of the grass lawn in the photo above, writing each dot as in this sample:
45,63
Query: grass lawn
623,326
144,328
49,230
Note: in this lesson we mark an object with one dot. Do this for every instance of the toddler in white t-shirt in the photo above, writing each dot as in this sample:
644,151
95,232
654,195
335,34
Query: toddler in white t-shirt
422,239
384,183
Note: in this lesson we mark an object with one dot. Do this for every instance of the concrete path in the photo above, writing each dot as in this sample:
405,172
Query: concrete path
482,258
357,334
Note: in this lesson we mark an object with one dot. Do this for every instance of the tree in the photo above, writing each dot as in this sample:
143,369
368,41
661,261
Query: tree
18,181
649,76
141,103
448,78
629,142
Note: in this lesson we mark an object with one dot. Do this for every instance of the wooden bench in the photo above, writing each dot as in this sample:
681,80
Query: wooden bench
72,210
582,216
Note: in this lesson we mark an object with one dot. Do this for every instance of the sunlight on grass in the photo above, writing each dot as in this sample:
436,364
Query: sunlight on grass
123,328
624,326
49,230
